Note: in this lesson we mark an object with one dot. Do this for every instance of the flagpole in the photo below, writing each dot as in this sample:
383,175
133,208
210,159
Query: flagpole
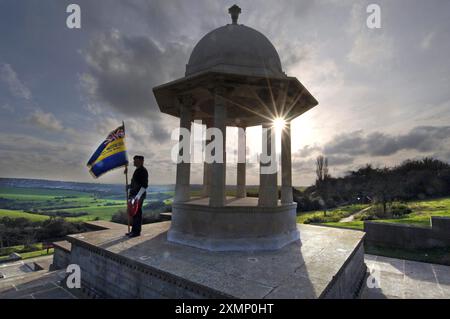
126,185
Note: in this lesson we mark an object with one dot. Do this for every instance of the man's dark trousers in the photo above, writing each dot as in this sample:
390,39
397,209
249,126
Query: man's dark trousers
137,220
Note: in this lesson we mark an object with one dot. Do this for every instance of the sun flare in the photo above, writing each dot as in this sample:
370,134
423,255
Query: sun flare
279,124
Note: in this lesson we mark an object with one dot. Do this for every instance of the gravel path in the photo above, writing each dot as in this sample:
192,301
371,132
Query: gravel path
352,217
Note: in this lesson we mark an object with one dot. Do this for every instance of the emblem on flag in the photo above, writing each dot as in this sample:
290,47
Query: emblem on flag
110,154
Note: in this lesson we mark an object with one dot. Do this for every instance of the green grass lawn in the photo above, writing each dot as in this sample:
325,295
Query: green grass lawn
39,192
43,201
37,253
21,214
102,213
420,216
358,225
95,212
332,215
3,258
33,254
55,200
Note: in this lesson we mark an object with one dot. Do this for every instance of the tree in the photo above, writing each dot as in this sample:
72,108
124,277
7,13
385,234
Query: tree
322,181
385,187
29,236
321,169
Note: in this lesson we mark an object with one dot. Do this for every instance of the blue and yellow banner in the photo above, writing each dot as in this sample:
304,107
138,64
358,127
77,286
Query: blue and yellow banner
110,154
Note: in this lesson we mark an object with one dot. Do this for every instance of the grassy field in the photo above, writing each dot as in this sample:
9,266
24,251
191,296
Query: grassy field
24,202
332,215
34,203
32,254
420,215
20,191
35,251
95,212
358,225
22,214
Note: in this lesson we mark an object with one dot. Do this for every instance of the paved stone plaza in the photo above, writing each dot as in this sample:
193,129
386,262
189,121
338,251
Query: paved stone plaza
21,282
326,262
406,279
399,279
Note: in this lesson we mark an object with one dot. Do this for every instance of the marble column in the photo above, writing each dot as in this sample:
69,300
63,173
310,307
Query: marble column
242,145
182,186
286,165
268,189
217,193
207,167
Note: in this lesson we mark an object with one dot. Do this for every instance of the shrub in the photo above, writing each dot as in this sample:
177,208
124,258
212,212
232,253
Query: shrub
316,219
367,216
21,231
399,209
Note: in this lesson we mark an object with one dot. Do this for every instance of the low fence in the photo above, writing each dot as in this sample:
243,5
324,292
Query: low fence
409,236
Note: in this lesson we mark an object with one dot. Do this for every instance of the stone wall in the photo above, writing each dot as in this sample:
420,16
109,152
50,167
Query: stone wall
348,282
61,259
232,228
61,255
110,275
409,236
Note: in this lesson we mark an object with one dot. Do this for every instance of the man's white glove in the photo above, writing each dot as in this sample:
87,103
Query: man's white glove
138,196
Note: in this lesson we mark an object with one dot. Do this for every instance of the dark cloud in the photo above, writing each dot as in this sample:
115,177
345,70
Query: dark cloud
303,166
352,143
122,70
339,160
345,151
308,151
163,17
422,139
21,154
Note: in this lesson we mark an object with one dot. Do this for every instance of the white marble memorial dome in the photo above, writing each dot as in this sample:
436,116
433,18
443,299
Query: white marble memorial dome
235,48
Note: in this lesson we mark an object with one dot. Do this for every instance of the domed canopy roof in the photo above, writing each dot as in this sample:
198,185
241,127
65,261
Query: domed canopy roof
236,49
240,65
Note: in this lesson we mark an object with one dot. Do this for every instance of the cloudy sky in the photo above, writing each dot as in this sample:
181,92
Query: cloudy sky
383,93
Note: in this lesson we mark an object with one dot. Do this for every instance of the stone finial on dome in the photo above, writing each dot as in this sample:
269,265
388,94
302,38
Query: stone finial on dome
234,11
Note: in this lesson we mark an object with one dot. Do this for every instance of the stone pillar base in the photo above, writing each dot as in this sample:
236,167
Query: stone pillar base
286,195
182,193
233,228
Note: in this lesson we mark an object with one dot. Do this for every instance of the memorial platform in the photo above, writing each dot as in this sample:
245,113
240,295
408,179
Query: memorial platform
241,224
324,263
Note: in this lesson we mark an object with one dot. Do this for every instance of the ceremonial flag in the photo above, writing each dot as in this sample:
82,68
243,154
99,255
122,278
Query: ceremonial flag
110,154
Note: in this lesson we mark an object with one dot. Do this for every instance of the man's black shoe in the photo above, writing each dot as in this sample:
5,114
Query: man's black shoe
128,234
134,235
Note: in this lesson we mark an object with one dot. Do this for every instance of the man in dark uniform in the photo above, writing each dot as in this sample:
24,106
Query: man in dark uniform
138,187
